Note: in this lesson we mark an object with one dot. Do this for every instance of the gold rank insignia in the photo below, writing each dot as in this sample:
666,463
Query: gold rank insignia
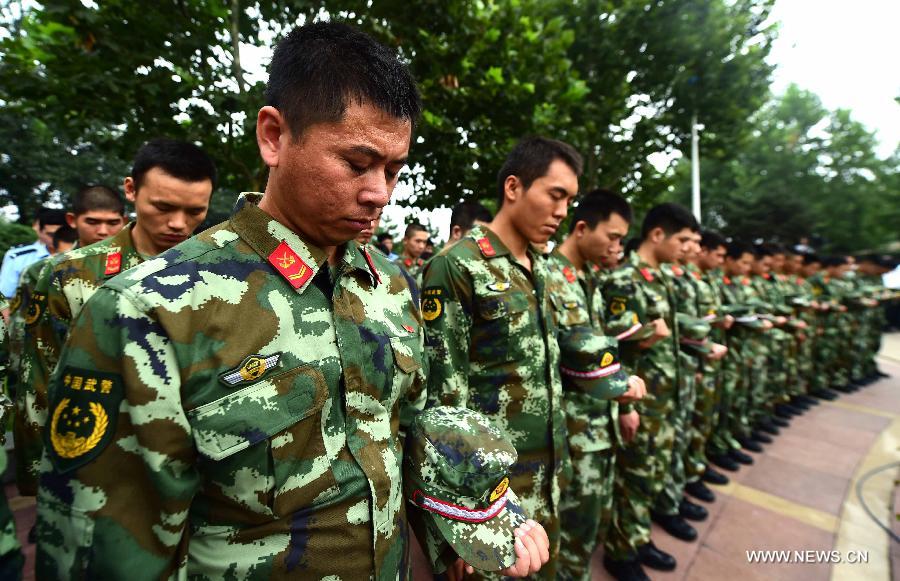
432,303
607,359
500,490
617,306
36,305
83,417
499,286
252,368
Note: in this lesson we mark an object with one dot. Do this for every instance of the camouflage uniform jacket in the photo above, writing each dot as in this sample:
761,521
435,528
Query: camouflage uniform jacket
491,342
593,424
64,285
231,409
637,294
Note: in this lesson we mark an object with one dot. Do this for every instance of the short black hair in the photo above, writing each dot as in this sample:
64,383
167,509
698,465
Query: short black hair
384,236
597,206
317,69
51,217
811,258
736,249
413,228
65,233
465,214
180,159
672,218
710,240
762,250
531,158
97,197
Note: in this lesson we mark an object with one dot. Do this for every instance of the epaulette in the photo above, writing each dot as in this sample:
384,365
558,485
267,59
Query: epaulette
22,250
487,249
570,276
648,276
676,270
726,279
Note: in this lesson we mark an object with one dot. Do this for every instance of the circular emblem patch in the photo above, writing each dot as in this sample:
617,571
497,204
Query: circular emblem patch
500,490
617,307
431,308
35,308
91,422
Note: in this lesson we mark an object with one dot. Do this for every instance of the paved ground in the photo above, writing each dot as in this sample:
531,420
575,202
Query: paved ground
799,495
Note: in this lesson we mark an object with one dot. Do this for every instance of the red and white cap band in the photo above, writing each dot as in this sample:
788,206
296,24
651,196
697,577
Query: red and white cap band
596,374
629,332
461,513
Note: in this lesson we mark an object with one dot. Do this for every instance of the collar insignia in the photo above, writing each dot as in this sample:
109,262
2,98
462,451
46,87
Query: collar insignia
290,265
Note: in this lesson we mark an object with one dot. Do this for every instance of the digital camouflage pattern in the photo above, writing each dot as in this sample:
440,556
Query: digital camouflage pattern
592,376
491,343
22,316
11,558
636,295
63,286
232,409
456,477
413,268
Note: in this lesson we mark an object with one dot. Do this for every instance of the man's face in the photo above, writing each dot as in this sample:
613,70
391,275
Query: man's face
63,247
45,234
675,247
740,266
811,269
365,236
604,240
96,225
329,183
762,265
778,261
168,209
388,243
414,244
793,264
710,259
538,211
693,249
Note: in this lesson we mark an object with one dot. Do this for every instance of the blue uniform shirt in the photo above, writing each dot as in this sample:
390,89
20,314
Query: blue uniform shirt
17,260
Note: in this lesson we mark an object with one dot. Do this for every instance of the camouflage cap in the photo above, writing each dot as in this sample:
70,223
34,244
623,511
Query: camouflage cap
456,469
589,363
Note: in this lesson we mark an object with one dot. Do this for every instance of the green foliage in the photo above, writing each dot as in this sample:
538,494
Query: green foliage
14,235
805,172
619,80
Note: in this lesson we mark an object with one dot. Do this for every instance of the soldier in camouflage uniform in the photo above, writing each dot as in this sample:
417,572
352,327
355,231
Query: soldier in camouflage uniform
830,290
233,407
491,335
456,479
170,185
11,558
818,382
641,313
413,245
593,381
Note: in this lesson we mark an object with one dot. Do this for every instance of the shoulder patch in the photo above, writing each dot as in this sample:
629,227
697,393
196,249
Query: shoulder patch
36,307
648,276
251,369
432,303
617,305
113,263
83,416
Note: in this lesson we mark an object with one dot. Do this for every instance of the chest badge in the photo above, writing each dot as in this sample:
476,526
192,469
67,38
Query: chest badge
251,369
499,287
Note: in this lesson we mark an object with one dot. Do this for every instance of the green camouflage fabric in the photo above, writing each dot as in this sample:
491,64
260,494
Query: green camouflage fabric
491,344
636,294
22,317
778,339
413,268
456,476
592,421
831,357
232,409
66,283
11,558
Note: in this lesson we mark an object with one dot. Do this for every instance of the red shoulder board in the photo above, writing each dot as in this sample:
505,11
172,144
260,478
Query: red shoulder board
676,270
697,275
408,262
113,262
648,276
371,265
486,248
290,265
570,276
726,280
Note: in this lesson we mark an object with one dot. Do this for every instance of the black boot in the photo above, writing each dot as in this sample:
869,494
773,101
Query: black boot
784,412
780,422
692,511
749,444
768,427
760,437
676,526
724,462
651,556
699,491
714,477
627,570
740,457
824,393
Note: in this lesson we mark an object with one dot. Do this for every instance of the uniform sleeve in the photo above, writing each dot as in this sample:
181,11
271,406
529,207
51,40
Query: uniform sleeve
625,315
447,311
9,277
118,474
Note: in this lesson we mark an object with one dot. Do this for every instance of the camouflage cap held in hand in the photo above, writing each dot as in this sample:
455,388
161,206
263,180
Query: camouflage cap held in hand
589,363
456,469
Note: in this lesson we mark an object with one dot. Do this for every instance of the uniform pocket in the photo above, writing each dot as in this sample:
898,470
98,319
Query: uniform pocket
263,445
500,316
